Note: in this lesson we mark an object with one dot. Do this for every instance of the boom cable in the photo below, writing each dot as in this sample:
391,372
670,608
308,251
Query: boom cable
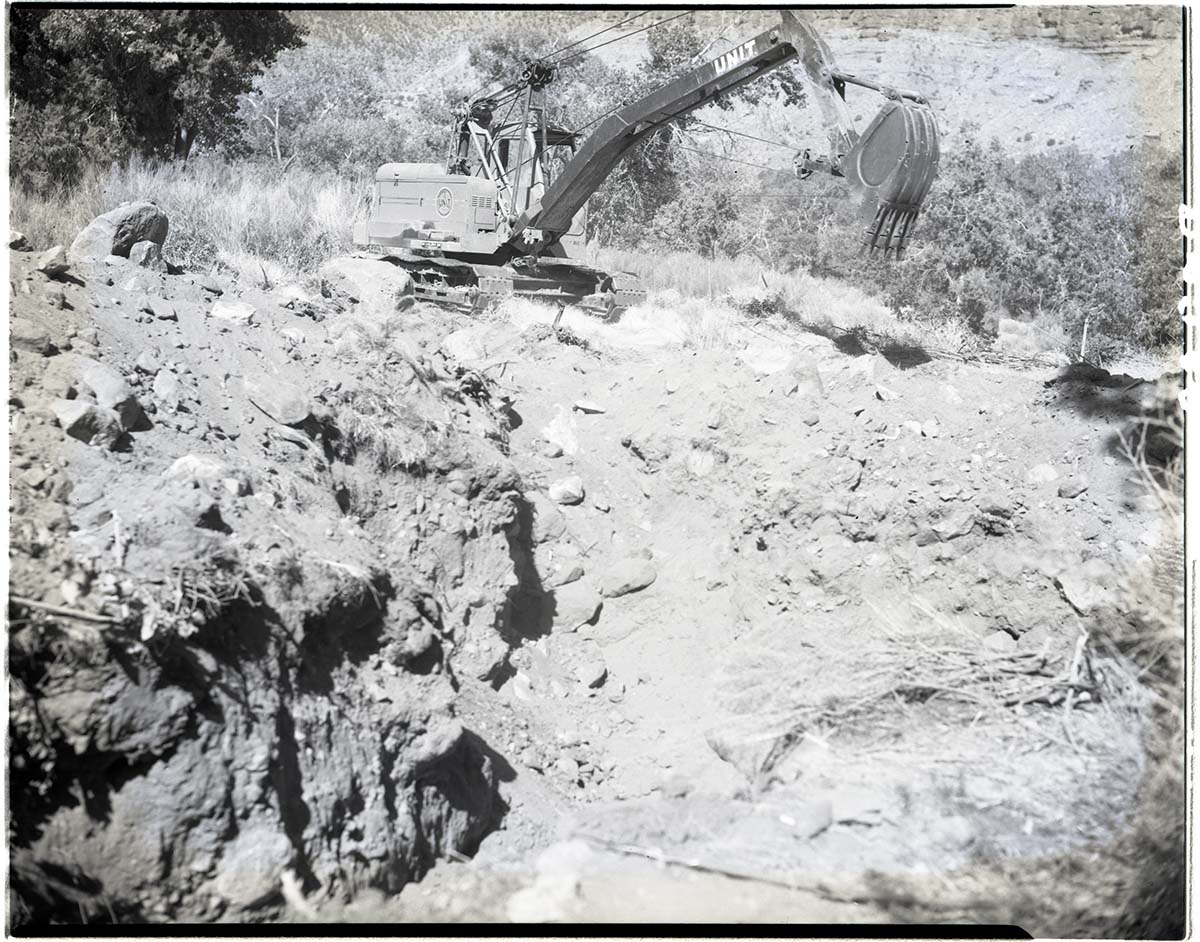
626,36
549,60
628,19
762,140
734,160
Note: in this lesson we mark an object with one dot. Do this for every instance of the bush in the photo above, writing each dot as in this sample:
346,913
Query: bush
1066,239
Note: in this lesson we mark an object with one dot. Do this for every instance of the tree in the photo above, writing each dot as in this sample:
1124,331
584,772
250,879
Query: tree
153,81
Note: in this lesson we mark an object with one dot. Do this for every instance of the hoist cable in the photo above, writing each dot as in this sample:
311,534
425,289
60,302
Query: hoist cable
547,58
735,160
626,36
762,140
628,19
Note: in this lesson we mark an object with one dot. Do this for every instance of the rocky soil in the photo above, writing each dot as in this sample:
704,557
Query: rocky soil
326,605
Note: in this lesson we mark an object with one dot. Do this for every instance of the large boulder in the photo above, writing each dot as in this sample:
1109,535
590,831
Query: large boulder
119,230
375,287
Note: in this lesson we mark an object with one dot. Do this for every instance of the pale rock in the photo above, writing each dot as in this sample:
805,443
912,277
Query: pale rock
24,334
281,400
168,390
135,284
574,604
883,394
548,521
1041,474
192,467
802,378
588,407
589,667
111,391
565,574
236,487
235,312
1000,641
568,490
55,296
562,430
88,422
252,864
567,767
293,335
1072,489
631,574
552,896
147,254
765,358
161,308
376,287
294,292
465,345
700,462
53,261
71,591
147,362
1088,586
212,284
954,525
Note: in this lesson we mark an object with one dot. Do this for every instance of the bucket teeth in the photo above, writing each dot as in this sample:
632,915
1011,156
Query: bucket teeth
890,228
893,165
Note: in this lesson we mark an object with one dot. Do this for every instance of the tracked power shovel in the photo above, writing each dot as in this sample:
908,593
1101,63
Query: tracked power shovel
495,222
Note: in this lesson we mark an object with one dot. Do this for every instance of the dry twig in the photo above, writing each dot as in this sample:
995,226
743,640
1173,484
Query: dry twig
64,611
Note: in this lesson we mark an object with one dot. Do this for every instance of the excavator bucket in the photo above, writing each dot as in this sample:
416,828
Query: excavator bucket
892,167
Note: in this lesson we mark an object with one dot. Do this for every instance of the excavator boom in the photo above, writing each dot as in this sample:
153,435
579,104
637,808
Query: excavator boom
890,167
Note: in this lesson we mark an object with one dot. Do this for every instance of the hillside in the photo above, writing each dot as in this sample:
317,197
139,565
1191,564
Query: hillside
1033,77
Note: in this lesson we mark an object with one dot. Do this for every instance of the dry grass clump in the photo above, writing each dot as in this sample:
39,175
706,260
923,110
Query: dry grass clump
768,691
1133,886
390,432
197,593
221,213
